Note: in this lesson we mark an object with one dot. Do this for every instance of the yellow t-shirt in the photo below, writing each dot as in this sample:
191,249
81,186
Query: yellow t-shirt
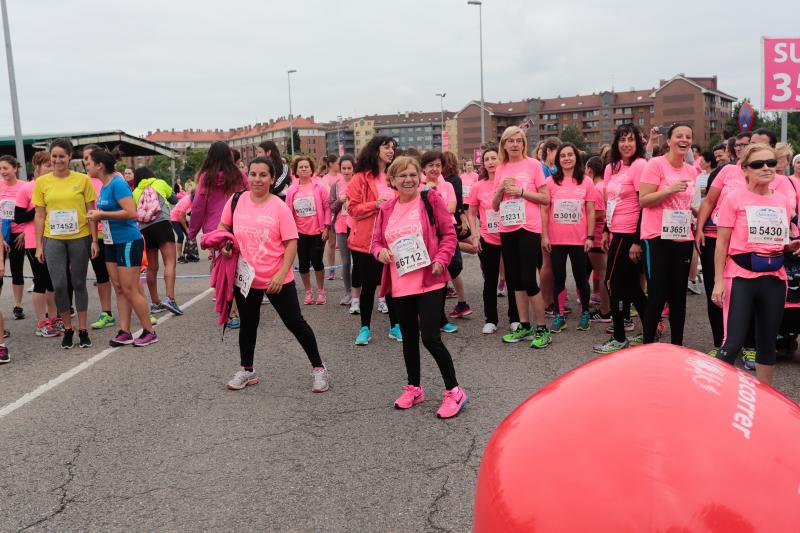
65,200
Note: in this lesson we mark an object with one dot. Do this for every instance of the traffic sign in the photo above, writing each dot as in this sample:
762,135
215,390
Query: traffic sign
746,117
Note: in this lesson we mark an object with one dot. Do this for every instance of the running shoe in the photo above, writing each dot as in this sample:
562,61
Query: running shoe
123,338
242,378
157,308
453,401
331,274
713,352
45,329
355,307
71,312
309,299
501,289
628,326
104,320
153,320
346,300
57,323
410,397
584,322
610,346
322,379
68,341
451,293
449,328
182,260
636,340
6,334
461,310
541,338
520,333
550,311
559,324
171,305
633,312
364,336
513,326
395,333
382,307
665,311
694,286
488,328
600,318
83,339
749,358
322,298
4,357
234,323
146,339
661,329
19,314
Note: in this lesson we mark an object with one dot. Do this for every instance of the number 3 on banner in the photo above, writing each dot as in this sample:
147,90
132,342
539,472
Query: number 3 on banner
784,80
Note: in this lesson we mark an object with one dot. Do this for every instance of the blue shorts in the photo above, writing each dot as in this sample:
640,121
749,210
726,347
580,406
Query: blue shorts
125,254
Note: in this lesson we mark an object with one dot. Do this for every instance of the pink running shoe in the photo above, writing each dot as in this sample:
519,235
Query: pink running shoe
454,400
309,299
410,397
322,298
665,311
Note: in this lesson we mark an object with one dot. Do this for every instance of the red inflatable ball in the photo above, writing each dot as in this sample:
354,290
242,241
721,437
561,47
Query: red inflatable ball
655,438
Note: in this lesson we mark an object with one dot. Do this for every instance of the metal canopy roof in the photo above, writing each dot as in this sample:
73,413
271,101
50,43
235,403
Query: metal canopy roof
130,145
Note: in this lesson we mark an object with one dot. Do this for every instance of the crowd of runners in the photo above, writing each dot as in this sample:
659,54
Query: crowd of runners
642,223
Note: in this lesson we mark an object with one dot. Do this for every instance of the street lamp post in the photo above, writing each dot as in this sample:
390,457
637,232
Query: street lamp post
339,135
441,103
480,37
12,81
291,129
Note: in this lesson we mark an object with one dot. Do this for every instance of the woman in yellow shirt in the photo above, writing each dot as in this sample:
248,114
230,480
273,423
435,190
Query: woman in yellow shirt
64,235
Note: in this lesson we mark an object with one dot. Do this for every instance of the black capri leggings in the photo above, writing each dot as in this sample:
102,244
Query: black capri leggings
521,253
578,260
758,300
41,276
622,282
667,269
16,258
490,265
99,264
370,270
309,252
180,233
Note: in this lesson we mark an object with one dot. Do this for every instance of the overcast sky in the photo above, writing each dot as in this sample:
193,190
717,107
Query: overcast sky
85,65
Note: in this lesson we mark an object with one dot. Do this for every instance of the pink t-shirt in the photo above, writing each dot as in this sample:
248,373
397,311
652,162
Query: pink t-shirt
661,173
446,191
305,210
567,221
342,220
8,201
622,195
384,191
481,197
468,180
404,221
23,200
733,214
260,231
181,208
599,209
330,179
529,175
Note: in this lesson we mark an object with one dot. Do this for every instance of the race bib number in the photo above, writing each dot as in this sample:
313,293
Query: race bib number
106,232
7,209
610,207
244,276
567,211
512,212
64,222
305,206
465,191
492,221
767,225
676,224
344,210
410,253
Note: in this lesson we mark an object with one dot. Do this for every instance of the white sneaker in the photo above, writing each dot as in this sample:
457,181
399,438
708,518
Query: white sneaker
694,286
489,328
242,379
513,326
382,307
354,306
322,380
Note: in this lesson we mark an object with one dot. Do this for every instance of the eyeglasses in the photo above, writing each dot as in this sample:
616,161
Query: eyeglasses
755,165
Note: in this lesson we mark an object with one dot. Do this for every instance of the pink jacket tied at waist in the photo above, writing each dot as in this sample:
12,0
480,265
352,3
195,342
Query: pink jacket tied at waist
223,270
321,198
440,239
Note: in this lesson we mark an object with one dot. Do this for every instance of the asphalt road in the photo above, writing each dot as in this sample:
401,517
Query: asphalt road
149,439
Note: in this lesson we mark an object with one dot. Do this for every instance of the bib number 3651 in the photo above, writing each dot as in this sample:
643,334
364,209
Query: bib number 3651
676,224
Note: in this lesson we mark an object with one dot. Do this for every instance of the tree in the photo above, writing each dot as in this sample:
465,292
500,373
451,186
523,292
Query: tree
573,135
296,136
191,162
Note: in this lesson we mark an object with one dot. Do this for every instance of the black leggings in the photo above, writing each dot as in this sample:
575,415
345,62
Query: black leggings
419,314
490,265
16,258
288,308
754,300
309,252
578,260
714,312
667,269
521,253
99,264
622,282
41,277
370,270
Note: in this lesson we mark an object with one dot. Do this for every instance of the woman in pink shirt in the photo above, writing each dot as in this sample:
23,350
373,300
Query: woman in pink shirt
330,175
341,226
568,230
177,217
9,187
750,281
310,202
597,256
266,235
415,239
666,189
468,178
486,239
520,190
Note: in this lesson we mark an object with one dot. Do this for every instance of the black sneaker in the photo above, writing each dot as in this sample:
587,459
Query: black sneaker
6,334
67,341
4,357
83,339
19,314
182,260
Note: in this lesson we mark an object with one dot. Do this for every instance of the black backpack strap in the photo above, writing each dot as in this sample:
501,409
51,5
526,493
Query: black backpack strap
429,210
234,201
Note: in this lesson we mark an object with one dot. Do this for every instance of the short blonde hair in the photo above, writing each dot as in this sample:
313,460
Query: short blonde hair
510,132
751,149
399,164
783,150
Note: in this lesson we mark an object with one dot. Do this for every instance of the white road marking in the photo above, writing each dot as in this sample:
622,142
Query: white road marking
38,391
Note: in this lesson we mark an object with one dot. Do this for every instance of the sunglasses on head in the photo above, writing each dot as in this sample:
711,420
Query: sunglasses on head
755,165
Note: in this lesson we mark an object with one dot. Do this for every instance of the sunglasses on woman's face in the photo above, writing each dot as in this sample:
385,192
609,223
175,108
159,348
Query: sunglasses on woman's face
755,165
